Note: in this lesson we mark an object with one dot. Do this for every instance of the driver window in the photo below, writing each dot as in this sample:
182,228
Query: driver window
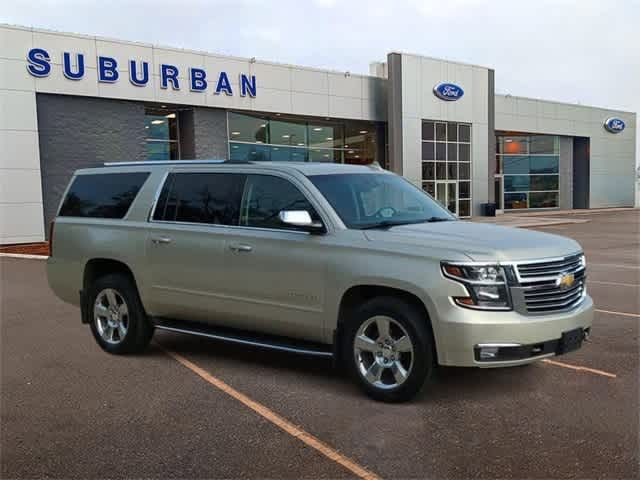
265,196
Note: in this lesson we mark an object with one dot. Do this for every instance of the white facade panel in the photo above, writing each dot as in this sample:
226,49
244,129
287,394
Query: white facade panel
309,81
19,149
345,107
306,103
612,156
14,76
21,223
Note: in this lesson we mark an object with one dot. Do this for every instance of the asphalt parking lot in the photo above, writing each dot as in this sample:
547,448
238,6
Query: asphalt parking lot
68,410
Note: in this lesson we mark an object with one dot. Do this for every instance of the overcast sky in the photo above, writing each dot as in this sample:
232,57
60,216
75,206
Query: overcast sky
583,51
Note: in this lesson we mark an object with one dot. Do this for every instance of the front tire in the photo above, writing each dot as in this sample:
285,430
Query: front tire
118,321
388,348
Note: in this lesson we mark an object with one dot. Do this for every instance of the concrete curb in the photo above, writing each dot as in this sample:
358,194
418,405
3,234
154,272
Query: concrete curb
23,256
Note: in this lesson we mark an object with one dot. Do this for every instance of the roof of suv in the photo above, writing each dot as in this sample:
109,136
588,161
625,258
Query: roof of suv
305,168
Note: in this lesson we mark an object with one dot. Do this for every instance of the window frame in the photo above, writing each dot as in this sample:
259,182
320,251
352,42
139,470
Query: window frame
150,111
74,178
168,177
276,229
327,220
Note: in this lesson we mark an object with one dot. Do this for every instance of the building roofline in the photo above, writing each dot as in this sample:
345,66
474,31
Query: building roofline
85,36
558,102
440,59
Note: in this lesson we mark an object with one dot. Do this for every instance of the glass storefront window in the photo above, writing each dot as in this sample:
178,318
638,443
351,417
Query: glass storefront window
428,151
543,199
246,128
446,160
530,165
540,144
161,132
288,133
297,139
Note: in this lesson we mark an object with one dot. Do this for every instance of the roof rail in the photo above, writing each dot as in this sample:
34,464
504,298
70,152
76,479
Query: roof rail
168,162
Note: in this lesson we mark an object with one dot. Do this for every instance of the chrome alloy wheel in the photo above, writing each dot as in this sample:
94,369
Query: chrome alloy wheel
383,352
111,315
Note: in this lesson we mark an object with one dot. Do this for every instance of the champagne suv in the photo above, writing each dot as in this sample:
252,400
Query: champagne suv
344,261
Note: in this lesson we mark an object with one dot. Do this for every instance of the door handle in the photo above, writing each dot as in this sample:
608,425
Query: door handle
240,248
160,240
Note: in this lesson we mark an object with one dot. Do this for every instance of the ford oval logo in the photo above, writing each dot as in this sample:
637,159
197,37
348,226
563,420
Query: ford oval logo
614,125
448,92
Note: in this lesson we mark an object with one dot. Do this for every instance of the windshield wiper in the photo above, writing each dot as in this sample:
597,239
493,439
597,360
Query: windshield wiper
396,223
438,219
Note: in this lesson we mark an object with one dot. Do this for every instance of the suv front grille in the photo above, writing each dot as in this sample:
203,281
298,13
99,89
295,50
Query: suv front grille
542,287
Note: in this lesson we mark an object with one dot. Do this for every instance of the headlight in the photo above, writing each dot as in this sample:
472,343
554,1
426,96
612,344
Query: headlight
486,284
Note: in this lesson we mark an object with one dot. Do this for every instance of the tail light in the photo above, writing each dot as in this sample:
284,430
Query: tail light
51,225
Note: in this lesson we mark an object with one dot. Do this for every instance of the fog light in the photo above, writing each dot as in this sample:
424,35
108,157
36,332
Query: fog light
488,353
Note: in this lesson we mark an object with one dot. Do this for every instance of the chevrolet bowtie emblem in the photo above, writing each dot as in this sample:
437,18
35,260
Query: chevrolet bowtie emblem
566,280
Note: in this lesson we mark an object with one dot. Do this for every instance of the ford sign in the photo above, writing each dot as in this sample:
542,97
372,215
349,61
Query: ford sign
448,92
614,125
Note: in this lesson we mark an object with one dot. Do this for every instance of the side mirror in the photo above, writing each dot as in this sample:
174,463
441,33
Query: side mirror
300,219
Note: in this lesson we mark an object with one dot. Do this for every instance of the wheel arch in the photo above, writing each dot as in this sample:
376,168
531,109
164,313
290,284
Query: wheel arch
96,268
358,294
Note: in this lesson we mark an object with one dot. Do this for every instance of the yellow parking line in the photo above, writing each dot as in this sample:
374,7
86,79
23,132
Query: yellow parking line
624,314
615,283
276,419
582,369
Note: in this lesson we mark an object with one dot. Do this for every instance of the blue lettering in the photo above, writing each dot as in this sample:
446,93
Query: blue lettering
39,65
198,82
67,66
107,70
223,84
169,73
133,73
247,85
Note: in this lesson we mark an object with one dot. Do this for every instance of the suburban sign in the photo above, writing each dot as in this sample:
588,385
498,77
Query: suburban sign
448,91
108,71
614,125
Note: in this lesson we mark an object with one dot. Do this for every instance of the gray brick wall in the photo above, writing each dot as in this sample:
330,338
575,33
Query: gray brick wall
210,133
80,132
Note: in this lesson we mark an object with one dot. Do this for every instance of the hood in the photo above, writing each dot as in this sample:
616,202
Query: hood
479,241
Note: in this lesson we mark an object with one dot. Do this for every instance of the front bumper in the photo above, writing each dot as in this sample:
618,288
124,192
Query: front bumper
529,338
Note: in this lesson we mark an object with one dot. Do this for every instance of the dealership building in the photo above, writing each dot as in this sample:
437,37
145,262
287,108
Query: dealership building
71,101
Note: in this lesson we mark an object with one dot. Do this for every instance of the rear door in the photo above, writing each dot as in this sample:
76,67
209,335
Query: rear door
186,243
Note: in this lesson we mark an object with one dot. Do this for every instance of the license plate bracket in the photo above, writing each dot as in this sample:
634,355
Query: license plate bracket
571,340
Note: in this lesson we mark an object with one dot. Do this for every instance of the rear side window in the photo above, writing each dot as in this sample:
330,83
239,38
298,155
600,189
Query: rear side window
266,196
107,195
211,198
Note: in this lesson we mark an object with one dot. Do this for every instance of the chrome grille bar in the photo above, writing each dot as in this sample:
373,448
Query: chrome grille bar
541,289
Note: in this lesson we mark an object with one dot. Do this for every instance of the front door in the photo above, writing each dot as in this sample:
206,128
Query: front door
447,194
275,275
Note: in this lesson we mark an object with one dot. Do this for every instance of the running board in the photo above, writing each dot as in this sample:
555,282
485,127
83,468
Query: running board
244,338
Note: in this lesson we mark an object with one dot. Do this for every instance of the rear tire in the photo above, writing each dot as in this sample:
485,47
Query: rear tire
118,321
388,348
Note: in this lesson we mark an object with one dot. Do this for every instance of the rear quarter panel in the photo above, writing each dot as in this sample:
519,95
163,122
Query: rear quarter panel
76,241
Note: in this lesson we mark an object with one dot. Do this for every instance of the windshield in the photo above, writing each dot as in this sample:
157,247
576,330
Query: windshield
370,200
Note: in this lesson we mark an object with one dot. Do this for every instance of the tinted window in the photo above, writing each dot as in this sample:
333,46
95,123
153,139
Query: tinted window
265,196
102,195
212,198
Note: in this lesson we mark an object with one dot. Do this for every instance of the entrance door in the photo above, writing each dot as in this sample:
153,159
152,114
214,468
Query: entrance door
447,194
